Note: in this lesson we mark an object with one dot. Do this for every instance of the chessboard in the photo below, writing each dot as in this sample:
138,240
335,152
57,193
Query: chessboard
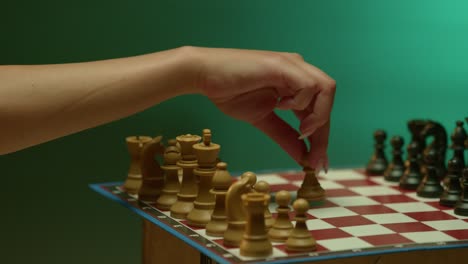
361,215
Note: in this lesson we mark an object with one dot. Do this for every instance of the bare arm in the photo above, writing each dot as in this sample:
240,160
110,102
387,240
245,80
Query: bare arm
43,102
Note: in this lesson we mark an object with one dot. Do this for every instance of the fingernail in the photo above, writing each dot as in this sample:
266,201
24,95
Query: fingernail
320,165
307,133
325,164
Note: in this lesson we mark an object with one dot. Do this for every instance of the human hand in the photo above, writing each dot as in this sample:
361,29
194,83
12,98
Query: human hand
248,85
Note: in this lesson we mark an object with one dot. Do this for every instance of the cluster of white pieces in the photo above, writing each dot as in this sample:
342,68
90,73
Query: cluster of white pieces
207,197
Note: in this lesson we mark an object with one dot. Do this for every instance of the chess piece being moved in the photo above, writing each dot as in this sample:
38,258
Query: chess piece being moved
189,188
151,173
430,185
264,187
396,168
222,180
171,170
461,207
135,144
412,176
310,188
207,155
378,162
439,144
255,242
282,226
235,212
452,188
459,137
300,238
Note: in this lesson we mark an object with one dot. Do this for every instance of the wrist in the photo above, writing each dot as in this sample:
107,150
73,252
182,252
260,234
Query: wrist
172,72
189,64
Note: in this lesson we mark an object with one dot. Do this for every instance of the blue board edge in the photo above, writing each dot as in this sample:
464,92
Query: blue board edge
220,260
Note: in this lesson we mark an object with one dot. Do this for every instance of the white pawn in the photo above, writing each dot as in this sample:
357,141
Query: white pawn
282,227
300,238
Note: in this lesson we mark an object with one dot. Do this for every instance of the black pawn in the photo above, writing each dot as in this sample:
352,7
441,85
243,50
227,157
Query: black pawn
396,168
459,137
412,176
416,126
378,162
430,186
461,208
466,141
452,188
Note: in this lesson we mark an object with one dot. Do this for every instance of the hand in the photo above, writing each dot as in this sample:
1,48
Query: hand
248,85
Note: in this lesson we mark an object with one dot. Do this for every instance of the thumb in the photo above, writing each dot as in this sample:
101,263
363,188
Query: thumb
318,158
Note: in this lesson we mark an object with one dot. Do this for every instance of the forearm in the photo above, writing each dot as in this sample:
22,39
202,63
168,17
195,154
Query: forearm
40,103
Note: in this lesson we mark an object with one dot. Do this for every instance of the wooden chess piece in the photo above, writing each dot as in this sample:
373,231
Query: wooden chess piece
430,185
264,187
255,242
151,173
311,190
452,188
396,168
461,208
189,188
300,238
466,140
222,180
439,144
459,137
415,127
171,170
235,212
207,154
378,162
135,145
412,176
451,181
282,226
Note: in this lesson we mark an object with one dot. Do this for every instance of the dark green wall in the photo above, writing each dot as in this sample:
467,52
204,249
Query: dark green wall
392,61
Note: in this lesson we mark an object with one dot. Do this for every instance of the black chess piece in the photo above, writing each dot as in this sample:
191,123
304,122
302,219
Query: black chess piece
396,168
452,188
461,208
378,162
430,185
459,137
415,127
439,144
412,175
466,141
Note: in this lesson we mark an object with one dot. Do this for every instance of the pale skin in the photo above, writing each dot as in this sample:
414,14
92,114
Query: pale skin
39,103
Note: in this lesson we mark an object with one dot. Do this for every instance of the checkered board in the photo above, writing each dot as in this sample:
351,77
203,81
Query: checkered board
361,215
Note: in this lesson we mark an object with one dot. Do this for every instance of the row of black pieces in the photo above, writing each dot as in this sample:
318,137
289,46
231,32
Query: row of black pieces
378,163
424,172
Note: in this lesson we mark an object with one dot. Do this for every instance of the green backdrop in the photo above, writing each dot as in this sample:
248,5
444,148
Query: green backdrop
392,60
